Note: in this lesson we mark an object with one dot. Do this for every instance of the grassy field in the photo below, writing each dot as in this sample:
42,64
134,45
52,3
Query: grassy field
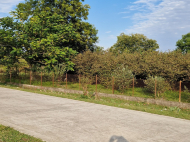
8,134
151,108
138,92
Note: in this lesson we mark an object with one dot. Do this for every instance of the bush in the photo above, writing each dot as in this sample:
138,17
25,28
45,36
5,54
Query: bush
123,78
161,84
85,81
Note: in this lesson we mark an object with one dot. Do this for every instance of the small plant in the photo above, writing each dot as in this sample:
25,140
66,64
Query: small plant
161,84
175,109
123,78
85,81
186,89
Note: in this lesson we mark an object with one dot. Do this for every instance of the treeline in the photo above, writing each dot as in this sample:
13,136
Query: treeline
173,66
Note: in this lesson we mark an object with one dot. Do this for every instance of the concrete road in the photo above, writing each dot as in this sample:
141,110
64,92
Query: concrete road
56,119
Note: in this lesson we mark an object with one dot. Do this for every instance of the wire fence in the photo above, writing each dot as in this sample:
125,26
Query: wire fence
77,82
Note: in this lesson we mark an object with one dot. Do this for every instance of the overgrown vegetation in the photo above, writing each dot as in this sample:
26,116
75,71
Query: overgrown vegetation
172,66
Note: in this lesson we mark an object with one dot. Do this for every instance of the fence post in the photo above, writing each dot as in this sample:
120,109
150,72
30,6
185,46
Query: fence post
155,87
79,81
41,78
66,80
113,85
180,91
96,83
133,85
30,77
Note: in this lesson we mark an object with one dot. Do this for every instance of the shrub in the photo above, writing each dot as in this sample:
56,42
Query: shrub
161,84
85,81
123,77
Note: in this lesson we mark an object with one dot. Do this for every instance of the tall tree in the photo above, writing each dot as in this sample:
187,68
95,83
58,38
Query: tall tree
184,43
9,45
132,43
52,31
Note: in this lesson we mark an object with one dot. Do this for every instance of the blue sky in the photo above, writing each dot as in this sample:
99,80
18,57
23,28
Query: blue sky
162,20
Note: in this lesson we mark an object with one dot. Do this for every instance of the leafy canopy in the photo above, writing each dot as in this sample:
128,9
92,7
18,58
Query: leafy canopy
132,43
184,43
47,32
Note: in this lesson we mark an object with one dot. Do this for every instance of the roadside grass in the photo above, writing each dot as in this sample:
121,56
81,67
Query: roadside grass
138,92
139,106
8,134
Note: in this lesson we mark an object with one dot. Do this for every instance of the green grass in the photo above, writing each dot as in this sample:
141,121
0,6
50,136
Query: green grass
151,108
8,134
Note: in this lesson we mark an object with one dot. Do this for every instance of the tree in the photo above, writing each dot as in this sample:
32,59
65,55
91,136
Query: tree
9,44
184,43
51,31
132,43
70,13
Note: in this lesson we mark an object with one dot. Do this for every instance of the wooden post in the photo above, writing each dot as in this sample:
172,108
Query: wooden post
79,81
133,85
30,77
10,75
155,87
53,79
66,80
96,83
113,85
41,78
180,91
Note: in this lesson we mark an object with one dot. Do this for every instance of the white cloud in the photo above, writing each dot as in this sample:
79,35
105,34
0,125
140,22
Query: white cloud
127,17
7,5
108,32
124,12
163,20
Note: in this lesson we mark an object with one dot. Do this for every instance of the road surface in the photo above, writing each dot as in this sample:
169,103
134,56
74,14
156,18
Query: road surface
56,119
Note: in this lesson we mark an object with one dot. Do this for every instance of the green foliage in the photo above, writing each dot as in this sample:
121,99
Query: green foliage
9,44
48,32
132,43
184,43
123,77
87,63
175,109
85,82
186,89
161,84
59,70
170,65
63,19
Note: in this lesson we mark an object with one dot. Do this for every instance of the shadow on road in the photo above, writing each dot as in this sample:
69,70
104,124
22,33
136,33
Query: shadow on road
118,139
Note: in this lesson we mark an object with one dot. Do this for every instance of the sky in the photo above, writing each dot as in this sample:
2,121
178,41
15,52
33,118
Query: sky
162,20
